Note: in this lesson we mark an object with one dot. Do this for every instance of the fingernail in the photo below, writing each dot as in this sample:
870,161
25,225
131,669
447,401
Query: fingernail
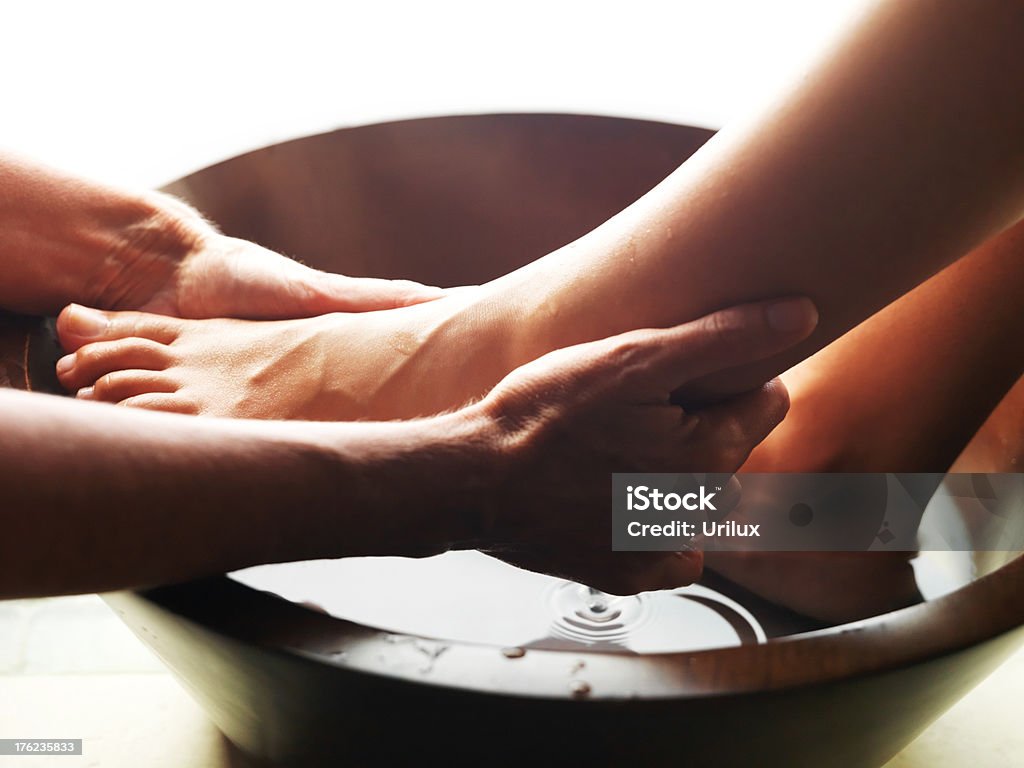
791,315
85,393
66,363
87,322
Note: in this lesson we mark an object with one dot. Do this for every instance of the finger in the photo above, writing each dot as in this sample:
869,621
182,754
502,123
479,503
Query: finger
733,428
726,339
78,326
340,293
83,367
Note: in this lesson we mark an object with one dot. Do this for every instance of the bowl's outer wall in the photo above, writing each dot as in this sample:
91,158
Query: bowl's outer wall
295,711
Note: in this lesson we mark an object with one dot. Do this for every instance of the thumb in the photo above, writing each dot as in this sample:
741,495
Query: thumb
730,337
339,293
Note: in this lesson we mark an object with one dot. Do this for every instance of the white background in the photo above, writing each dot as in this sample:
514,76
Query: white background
142,92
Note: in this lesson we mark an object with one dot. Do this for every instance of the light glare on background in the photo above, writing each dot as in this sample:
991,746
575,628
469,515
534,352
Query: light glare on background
139,93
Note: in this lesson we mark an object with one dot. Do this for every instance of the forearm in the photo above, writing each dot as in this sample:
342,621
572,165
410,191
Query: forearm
153,498
906,390
889,160
65,239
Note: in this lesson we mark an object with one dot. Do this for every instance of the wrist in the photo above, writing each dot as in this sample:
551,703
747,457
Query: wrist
477,479
405,488
457,479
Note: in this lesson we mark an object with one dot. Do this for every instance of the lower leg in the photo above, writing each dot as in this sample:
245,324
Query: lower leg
903,392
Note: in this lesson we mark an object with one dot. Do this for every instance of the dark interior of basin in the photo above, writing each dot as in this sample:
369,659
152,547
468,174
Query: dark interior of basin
443,201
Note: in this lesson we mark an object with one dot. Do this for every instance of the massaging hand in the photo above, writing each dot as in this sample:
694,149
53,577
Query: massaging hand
66,239
220,276
573,417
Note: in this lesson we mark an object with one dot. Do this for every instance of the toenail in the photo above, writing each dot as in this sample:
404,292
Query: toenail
66,363
88,322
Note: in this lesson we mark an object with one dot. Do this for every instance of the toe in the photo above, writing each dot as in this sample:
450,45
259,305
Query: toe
82,368
155,401
120,385
78,326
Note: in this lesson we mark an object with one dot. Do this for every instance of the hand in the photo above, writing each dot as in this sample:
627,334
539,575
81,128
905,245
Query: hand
190,270
570,419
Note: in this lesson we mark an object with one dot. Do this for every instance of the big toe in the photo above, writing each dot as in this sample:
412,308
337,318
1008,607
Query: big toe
78,326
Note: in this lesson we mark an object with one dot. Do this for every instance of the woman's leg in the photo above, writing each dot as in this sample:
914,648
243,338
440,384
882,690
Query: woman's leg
897,154
906,390
903,392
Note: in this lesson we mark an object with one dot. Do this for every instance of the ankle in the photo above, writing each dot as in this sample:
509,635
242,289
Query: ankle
490,337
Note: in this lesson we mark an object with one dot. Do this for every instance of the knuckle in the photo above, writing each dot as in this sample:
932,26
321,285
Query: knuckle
629,356
88,356
517,421
506,404
125,324
727,326
626,352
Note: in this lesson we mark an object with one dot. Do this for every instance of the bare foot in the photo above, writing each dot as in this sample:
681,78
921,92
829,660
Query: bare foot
398,363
